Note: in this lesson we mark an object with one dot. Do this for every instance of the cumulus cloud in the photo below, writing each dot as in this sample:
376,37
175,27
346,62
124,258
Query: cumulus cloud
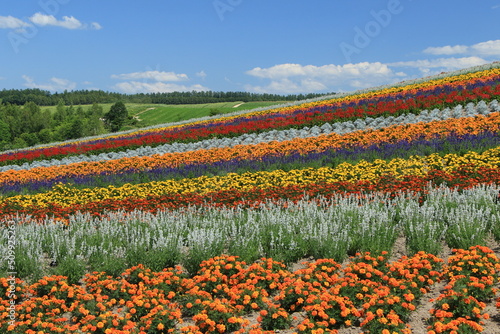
201,74
447,64
67,22
151,75
134,87
10,22
489,48
447,50
296,78
483,49
54,85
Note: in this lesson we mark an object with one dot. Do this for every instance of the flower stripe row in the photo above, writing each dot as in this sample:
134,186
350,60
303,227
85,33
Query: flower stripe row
463,178
341,128
257,152
362,171
401,149
254,123
369,293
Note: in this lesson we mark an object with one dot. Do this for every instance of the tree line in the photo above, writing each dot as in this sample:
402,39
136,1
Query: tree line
40,97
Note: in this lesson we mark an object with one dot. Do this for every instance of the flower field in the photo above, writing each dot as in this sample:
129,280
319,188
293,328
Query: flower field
286,218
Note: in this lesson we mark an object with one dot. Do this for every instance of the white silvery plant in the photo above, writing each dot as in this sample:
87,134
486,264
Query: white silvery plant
424,227
378,228
468,226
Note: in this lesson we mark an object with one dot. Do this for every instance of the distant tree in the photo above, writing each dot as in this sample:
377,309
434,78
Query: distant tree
60,115
94,125
116,116
76,128
95,110
4,132
32,118
30,138
18,143
45,136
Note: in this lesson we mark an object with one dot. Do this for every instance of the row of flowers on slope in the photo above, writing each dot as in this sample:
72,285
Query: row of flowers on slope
401,149
419,166
369,292
412,101
257,152
462,178
459,111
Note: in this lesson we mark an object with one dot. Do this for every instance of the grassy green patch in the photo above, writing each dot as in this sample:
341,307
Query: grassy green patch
153,114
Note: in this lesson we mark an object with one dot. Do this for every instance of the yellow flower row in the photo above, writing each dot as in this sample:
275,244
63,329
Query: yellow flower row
362,171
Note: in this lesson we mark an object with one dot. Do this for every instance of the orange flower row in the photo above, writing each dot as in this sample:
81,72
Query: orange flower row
369,292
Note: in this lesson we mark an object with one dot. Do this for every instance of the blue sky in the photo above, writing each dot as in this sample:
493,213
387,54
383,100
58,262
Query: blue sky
263,46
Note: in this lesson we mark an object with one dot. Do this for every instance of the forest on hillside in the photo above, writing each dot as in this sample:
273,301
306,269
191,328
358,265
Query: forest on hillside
45,98
28,125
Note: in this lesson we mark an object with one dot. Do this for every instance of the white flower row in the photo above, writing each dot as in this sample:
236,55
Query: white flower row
304,228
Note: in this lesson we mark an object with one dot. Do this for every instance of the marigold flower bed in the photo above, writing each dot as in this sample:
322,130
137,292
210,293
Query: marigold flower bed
368,292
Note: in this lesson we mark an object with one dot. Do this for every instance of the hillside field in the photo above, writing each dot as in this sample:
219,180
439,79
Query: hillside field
154,114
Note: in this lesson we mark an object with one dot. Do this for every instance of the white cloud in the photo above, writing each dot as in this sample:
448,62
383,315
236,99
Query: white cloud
133,87
201,74
10,22
151,75
483,49
447,50
448,64
325,72
55,84
95,26
296,78
154,81
67,22
489,48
